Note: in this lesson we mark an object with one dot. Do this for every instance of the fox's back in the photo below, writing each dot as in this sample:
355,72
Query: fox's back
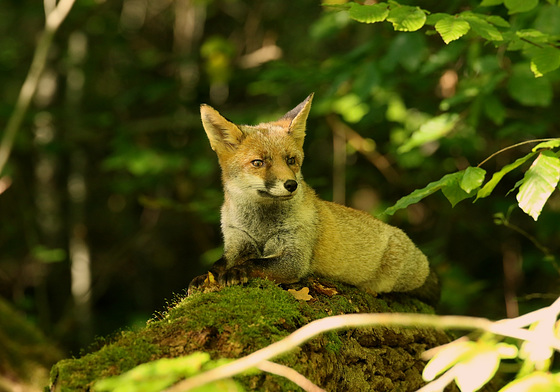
355,247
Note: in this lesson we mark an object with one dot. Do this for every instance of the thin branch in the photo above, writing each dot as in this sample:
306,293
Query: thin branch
360,144
514,146
358,320
289,373
54,18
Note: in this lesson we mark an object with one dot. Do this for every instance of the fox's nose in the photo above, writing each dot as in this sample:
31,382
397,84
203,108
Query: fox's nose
290,185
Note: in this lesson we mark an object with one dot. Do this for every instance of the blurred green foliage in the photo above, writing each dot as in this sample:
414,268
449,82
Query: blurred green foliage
429,96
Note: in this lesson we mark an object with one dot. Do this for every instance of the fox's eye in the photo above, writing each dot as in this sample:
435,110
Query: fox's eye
257,162
291,161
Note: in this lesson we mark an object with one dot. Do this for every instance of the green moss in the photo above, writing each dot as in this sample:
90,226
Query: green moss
334,343
256,314
128,352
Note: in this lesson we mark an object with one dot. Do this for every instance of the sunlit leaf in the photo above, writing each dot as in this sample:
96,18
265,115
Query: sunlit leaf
516,6
431,130
544,60
538,183
351,108
406,18
480,26
447,357
472,373
490,185
451,28
472,179
548,144
535,382
507,350
157,375
369,13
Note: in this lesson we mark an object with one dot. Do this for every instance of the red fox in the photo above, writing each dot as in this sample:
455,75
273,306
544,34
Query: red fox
275,226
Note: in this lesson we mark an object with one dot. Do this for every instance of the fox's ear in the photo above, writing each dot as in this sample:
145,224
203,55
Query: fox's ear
223,134
298,118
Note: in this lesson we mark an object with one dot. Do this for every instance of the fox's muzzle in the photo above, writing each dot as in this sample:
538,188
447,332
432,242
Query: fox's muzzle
291,185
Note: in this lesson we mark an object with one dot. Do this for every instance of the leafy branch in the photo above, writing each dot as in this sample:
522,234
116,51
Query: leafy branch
535,187
541,48
54,16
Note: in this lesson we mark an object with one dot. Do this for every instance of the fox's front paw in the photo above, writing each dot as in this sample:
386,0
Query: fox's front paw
199,282
212,281
234,275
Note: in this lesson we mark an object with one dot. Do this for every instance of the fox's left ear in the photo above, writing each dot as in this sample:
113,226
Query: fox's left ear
298,118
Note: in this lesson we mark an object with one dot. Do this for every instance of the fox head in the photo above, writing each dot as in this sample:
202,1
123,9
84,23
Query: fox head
259,162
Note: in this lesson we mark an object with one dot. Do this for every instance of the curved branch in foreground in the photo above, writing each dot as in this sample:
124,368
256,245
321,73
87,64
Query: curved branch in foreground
511,328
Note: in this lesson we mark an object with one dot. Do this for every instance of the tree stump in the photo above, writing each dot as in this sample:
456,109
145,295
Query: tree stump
238,320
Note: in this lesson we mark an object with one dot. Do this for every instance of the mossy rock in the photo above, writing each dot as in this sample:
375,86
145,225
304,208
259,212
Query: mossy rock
25,353
239,320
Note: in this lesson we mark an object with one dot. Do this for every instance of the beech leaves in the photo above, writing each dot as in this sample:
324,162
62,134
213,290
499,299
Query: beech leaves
539,47
536,186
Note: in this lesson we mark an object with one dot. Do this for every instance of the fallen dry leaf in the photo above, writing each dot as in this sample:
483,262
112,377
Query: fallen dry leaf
325,290
302,294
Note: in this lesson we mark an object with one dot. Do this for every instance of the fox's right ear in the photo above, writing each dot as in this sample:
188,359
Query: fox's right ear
223,134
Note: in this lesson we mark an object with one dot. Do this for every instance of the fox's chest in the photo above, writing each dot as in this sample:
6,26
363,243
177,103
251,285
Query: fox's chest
258,233
256,230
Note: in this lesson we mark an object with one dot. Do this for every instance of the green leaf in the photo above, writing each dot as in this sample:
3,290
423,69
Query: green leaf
472,373
538,183
432,19
157,375
528,90
454,193
543,60
369,13
452,28
431,130
449,183
489,3
472,179
446,358
548,144
490,185
516,6
535,382
406,18
482,27
350,107
498,21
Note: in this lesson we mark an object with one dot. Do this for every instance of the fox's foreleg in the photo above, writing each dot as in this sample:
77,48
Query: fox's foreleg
281,260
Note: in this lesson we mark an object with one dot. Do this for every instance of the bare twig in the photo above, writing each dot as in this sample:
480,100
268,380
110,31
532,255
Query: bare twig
289,373
54,17
514,146
361,145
